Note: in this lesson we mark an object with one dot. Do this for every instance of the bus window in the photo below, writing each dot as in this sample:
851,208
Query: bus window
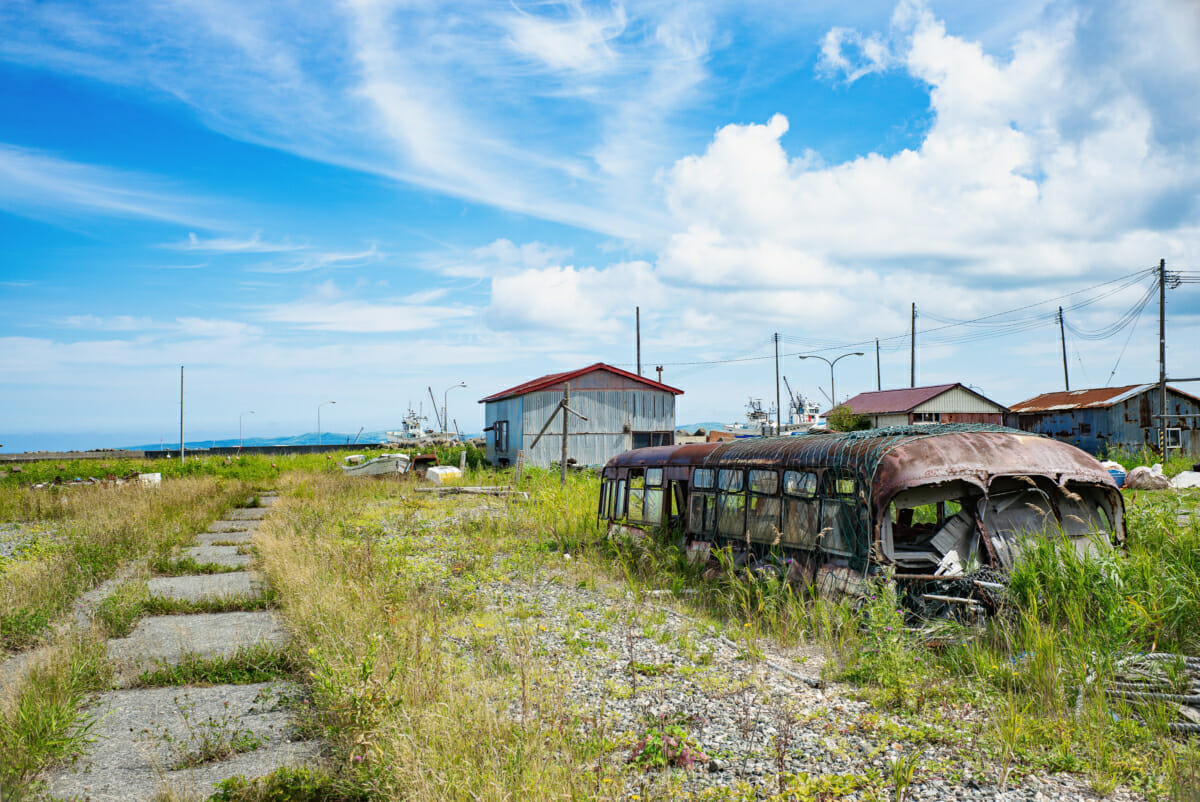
605,500
762,514
801,509
731,503
652,512
618,508
703,479
654,477
637,493
839,513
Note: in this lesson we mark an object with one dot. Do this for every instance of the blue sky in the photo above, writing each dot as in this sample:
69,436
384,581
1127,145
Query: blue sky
306,201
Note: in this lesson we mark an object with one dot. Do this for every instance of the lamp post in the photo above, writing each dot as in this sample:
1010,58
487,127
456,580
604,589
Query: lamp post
832,392
323,403
445,414
247,412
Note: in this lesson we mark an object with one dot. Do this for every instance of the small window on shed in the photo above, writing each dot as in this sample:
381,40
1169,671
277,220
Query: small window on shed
500,433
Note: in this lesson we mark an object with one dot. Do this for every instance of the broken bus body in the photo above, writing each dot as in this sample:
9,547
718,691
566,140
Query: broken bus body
933,503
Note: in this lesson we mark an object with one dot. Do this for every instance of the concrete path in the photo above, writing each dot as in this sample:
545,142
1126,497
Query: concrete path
188,737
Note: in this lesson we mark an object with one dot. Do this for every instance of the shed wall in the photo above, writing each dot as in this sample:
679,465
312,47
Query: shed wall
958,400
1129,424
612,417
510,410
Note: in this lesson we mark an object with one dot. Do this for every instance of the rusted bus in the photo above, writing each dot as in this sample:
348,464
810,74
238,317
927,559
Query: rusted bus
930,501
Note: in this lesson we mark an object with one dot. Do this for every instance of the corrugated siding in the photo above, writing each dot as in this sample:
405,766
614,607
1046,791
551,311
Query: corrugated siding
957,399
1125,425
509,410
612,415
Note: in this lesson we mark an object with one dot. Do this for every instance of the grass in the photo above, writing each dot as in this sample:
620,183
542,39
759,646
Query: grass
261,663
404,718
100,529
120,611
1131,458
42,721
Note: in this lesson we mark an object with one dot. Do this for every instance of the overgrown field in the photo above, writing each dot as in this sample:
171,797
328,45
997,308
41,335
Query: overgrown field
423,693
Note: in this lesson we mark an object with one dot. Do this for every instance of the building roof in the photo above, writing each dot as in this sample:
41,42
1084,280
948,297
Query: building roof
1098,398
906,399
551,379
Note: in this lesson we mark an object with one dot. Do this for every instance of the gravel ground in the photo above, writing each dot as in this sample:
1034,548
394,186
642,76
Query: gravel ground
754,718
15,538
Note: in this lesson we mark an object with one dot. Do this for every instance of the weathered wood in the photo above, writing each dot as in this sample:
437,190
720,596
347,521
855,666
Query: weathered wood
474,491
566,420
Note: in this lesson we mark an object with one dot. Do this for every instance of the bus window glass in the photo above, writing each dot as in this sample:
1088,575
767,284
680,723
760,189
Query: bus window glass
703,478
729,481
605,500
838,513
637,489
800,483
764,482
701,513
654,477
618,510
652,512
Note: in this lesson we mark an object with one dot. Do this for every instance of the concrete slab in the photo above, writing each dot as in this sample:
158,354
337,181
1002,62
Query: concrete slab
220,555
247,514
205,587
268,499
211,538
142,735
232,526
167,638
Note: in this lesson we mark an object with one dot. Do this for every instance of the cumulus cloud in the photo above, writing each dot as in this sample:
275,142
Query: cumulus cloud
573,299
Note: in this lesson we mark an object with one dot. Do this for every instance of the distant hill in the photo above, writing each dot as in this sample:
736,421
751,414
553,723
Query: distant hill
306,439
707,426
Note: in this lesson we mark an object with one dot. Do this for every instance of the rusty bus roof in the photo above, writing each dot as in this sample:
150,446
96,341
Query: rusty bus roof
897,457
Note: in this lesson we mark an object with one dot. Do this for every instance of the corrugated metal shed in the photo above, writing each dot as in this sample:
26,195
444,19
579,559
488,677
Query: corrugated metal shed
1108,418
623,411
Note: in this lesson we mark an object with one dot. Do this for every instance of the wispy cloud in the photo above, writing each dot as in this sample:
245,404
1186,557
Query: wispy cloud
252,244
42,186
322,260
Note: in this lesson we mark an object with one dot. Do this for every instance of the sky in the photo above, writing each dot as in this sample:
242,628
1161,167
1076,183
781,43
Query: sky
304,202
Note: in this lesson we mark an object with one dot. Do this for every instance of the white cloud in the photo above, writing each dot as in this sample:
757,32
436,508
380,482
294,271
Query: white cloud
363,317
578,42
253,244
322,260
42,186
571,299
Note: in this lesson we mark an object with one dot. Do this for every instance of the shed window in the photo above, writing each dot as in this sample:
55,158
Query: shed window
500,434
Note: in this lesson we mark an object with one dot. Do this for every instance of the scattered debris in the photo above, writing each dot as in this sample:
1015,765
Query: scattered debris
1143,478
380,466
440,474
1187,479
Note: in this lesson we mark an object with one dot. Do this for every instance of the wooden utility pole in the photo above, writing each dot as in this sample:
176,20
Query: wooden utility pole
659,369
878,380
778,408
912,349
638,313
181,414
1062,333
564,408
1162,356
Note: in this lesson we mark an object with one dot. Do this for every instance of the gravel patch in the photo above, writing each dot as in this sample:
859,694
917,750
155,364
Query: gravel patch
16,538
219,555
623,665
167,638
142,736
206,587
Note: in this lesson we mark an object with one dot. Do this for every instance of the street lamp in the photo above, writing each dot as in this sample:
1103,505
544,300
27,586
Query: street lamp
832,392
247,412
323,403
445,414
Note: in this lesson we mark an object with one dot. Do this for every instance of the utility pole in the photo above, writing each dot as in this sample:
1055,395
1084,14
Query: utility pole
659,369
912,349
566,400
1162,356
1063,334
778,408
638,312
181,414
878,380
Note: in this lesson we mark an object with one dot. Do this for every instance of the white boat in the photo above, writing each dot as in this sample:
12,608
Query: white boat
383,464
413,432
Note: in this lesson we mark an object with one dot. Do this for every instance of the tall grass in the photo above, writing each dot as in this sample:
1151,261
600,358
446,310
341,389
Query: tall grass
97,529
373,594
1130,458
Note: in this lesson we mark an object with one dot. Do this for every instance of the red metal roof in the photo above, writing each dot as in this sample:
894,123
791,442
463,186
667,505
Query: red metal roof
1088,399
551,379
906,399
